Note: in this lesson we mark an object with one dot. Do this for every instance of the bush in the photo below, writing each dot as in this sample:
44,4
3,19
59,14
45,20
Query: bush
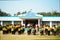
58,29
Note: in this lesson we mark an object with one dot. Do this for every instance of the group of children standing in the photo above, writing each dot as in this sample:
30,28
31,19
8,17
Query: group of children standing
13,29
45,29
20,28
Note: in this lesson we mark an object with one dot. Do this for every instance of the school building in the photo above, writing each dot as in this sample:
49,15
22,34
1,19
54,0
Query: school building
30,17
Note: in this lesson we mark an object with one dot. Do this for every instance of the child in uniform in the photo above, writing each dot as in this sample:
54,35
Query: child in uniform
34,31
19,30
4,30
12,30
46,29
8,28
49,30
42,30
54,30
22,29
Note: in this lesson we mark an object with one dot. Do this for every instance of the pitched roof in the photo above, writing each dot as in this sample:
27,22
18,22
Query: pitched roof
31,15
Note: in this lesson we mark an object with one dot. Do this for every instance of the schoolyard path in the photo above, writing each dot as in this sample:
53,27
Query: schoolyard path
27,37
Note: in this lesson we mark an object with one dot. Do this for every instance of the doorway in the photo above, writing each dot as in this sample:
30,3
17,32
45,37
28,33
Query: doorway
31,21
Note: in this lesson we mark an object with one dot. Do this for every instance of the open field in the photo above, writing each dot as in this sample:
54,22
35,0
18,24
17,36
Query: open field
27,37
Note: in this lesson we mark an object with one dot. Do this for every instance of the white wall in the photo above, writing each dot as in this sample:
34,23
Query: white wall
51,19
18,19
10,19
14,18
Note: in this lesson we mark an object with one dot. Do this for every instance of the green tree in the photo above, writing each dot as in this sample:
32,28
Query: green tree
54,13
24,12
58,29
19,13
4,13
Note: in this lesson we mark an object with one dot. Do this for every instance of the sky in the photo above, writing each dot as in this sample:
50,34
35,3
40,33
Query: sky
14,6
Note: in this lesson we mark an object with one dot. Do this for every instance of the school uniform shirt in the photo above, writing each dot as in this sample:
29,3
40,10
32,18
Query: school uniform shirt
12,29
19,29
49,28
54,29
41,29
23,27
15,26
18,26
4,29
46,27
10,26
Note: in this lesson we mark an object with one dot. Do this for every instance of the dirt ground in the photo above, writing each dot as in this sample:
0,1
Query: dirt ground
27,37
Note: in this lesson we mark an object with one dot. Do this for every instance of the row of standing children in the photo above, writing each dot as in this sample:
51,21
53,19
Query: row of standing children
13,29
45,29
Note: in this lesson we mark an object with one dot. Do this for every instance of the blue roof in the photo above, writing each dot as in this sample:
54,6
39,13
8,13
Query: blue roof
30,15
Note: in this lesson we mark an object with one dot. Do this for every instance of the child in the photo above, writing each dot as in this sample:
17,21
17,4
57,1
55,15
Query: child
19,30
34,31
4,30
23,29
54,30
49,30
29,30
12,30
46,29
42,30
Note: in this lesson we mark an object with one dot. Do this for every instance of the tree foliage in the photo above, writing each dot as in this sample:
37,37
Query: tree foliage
4,13
54,13
19,13
49,13
58,29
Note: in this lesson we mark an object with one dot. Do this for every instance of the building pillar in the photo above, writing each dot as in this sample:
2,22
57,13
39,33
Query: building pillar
12,22
2,23
50,23
39,22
